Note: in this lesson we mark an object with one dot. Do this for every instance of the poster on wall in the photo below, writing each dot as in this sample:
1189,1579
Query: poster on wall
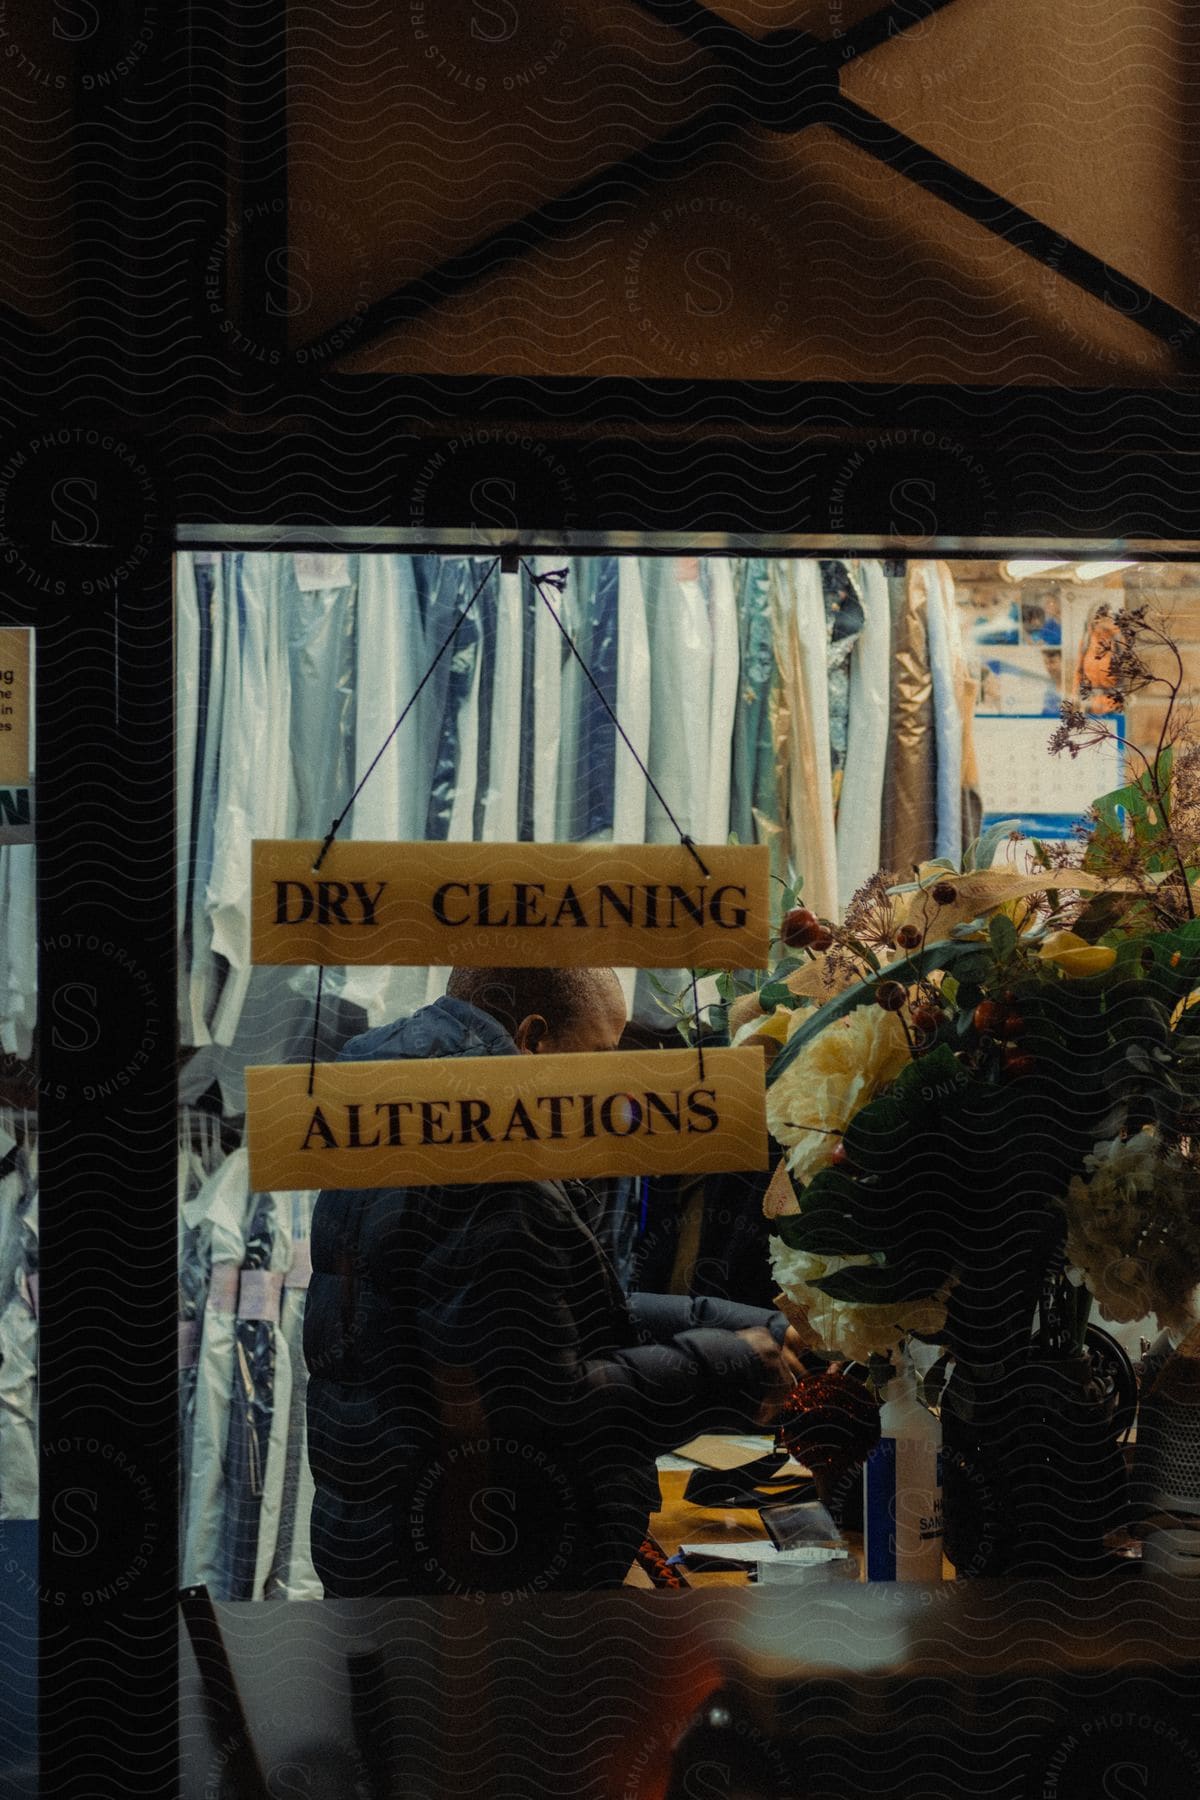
16,742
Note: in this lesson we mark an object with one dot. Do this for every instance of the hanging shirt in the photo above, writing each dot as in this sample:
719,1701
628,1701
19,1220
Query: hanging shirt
860,809
754,787
843,625
802,731
723,697
910,806
255,788
947,716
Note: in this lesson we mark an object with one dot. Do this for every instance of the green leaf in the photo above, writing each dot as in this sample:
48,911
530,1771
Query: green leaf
776,993
1003,935
981,854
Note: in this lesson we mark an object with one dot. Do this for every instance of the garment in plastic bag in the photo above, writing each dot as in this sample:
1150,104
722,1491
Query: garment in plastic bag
802,731
18,949
221,1203
18,1343
947,714
859,817
254,792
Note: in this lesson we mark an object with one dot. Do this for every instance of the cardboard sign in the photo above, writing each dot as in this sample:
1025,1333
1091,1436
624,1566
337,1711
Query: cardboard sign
483,1119
16,795
510,905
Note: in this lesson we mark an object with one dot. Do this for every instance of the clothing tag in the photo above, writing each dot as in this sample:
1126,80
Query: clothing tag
189,1343
258,1294
300,1273
223,1287
321,569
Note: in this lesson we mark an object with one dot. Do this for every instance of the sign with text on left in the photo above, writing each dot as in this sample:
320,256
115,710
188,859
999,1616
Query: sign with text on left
510,905
481,1119
16,712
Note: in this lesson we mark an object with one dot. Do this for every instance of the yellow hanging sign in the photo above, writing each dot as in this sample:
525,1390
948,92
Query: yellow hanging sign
504,1118
16,711
484,906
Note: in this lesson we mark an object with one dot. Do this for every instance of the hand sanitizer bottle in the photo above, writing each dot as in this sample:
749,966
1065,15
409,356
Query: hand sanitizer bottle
902,1488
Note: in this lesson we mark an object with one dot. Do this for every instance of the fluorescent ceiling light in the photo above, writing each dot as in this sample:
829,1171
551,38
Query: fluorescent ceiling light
1091,571
1023,568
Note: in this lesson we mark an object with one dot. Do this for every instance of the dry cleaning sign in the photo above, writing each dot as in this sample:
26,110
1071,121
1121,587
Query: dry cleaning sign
16,709
510,905
505,1118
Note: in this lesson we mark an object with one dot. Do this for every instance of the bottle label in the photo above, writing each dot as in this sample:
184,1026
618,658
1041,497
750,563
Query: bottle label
902,1511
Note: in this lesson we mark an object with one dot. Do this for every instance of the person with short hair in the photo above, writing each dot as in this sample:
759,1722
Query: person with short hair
485,1405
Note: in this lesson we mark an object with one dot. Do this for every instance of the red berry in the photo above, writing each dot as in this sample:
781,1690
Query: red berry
926,1019
1013,1025
840,1156
989,1017
1018,1063
908,937
799,928
891,995
944,894
821,939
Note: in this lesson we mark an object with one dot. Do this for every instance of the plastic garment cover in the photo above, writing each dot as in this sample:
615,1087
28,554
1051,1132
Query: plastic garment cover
18,949
723,699
18,1338
859,817
290,1575
187,729
221,1206
632,707
321,668
497,804
802,731
681,681
210,691
454,728
754,814
254,790
259,1406
390,659
543,707
843,624
909,802
947,717
572,607
597,741
681,672
452,719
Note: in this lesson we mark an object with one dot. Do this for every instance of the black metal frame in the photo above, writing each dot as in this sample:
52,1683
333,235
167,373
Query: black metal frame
788,80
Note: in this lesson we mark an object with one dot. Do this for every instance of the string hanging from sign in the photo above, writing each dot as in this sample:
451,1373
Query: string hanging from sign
557,579
336,826
312,1061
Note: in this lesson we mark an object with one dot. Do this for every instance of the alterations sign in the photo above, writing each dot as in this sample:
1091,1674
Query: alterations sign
16,712
505,1118
510,905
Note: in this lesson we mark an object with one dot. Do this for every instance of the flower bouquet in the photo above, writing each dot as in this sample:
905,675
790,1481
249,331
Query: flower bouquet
987,1086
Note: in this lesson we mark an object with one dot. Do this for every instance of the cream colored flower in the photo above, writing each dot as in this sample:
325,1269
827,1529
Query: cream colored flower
832,1078
857,1331
1133,1230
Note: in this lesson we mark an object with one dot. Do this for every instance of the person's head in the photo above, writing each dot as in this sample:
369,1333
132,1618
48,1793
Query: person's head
547,1011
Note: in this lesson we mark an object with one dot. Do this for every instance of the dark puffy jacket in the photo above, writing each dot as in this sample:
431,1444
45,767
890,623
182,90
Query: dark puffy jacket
484,1404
